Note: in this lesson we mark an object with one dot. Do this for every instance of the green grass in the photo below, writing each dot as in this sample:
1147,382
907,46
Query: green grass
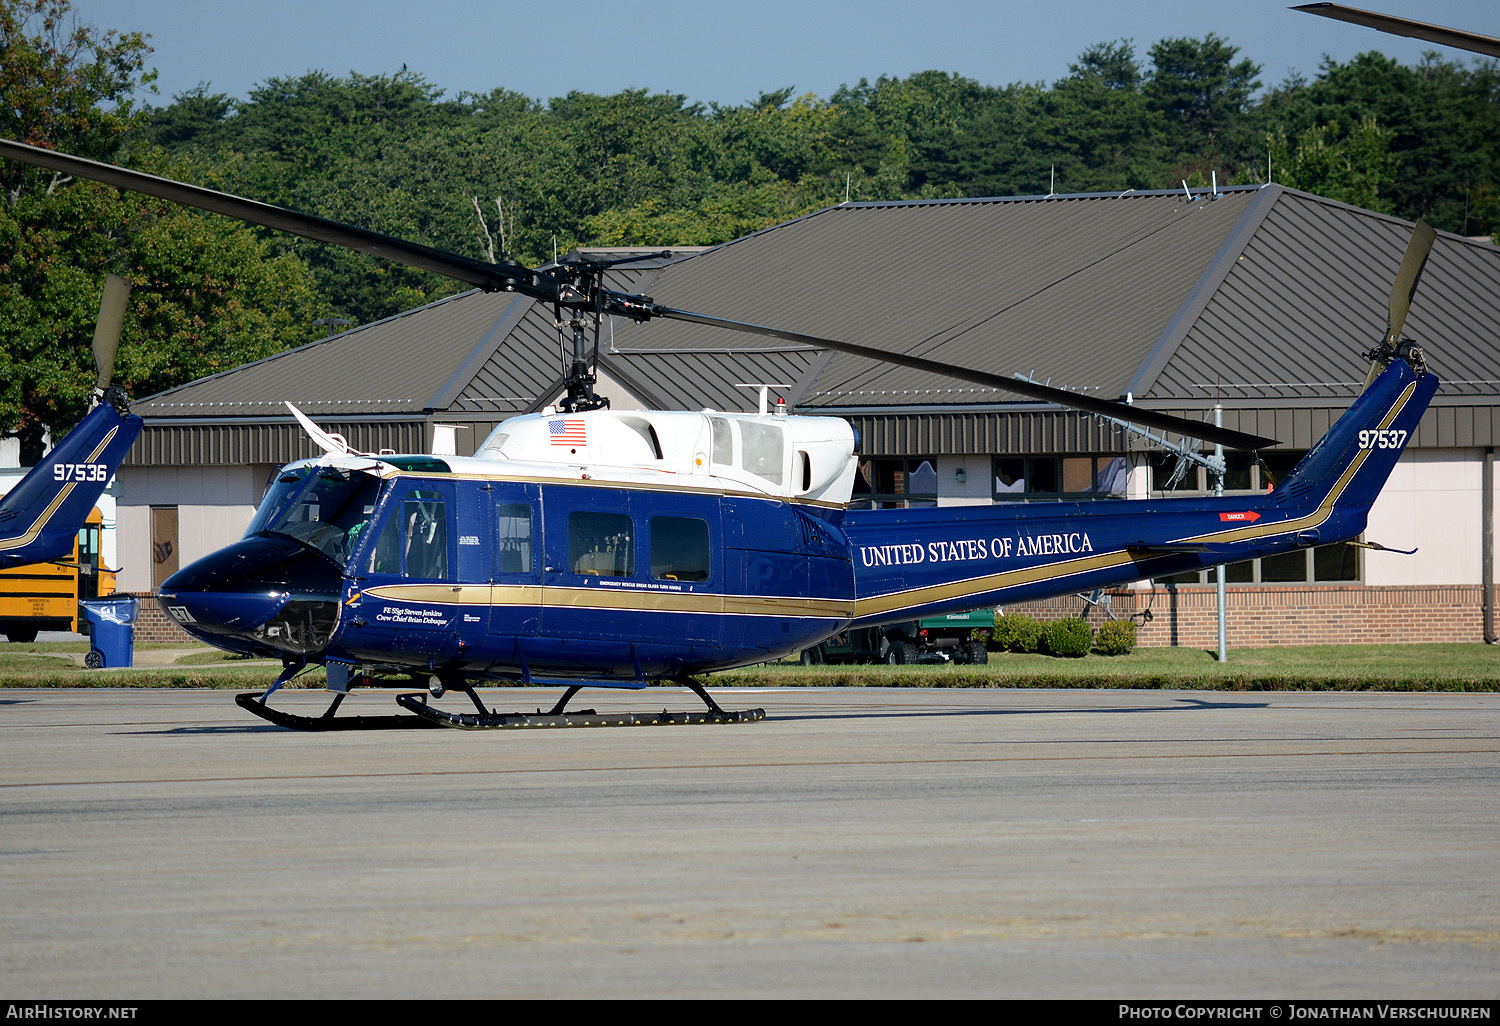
55,664
1446,667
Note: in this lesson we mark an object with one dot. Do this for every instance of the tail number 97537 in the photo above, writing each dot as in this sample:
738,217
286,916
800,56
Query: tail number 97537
1382,439
81,472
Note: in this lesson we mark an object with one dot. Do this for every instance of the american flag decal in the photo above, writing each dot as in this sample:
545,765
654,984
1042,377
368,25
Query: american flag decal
567,432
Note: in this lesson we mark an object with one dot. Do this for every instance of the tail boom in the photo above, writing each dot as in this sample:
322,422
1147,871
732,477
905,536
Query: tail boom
930,561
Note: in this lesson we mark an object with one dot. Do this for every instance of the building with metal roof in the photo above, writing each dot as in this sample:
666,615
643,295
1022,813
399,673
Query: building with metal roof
1259,298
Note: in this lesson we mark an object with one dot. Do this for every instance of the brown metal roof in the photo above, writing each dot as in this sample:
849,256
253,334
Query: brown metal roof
474,352
1296,302
1074,289
1264,296
394,366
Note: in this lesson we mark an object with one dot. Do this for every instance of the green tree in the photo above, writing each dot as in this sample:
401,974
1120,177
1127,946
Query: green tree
196,116
64,85
1093,129
1100,128
206,297
1355,168
393,154
889,133
1002,151
1203,94
1444,125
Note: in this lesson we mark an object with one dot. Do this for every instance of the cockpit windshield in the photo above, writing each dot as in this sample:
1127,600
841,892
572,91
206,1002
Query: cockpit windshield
323,507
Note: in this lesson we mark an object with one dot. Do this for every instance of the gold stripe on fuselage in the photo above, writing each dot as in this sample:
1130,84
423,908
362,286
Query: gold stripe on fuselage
606,598
895,601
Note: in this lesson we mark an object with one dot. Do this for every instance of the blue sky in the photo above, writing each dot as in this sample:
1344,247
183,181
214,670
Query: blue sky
721,52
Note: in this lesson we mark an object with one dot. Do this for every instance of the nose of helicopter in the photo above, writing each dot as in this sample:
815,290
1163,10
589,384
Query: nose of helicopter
259,593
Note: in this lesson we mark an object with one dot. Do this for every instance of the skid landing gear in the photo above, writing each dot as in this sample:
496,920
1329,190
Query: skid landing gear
488,719
255,701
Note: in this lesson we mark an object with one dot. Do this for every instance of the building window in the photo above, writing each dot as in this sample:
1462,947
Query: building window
1326,564
895,483
1045,478
1243,472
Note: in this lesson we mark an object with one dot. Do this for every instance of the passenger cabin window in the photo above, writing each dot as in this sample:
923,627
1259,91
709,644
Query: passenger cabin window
600,544
723,442
761,448
679,549
415,540
513,538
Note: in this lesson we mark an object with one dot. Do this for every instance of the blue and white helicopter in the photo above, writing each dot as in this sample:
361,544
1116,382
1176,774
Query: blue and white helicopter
40,517
588,547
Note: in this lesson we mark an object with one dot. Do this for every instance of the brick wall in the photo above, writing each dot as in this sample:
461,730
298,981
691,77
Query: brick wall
1187,615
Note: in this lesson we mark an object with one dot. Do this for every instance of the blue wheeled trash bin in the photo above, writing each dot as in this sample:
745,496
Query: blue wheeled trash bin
111,631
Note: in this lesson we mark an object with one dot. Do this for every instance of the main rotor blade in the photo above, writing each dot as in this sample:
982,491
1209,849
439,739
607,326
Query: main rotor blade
490,277
632,306
1458,38
1418,249
107,327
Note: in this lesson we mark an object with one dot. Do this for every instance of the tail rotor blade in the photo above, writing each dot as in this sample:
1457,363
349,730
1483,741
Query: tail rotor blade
1402,290
1405,285
107,327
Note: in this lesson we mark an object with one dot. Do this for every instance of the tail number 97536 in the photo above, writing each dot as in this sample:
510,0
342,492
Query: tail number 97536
1382,439
81,472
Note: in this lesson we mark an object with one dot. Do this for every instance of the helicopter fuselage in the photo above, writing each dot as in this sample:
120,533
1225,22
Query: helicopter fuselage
490,567
502,576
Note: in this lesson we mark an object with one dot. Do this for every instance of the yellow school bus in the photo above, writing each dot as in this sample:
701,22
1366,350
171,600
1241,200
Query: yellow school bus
45,596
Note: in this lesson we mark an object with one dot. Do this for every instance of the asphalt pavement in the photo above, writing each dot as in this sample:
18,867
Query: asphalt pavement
858,842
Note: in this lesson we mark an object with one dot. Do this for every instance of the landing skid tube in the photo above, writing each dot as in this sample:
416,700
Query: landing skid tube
488,719
255,701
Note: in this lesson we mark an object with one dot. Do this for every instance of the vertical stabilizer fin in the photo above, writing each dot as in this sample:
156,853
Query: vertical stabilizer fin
40,516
